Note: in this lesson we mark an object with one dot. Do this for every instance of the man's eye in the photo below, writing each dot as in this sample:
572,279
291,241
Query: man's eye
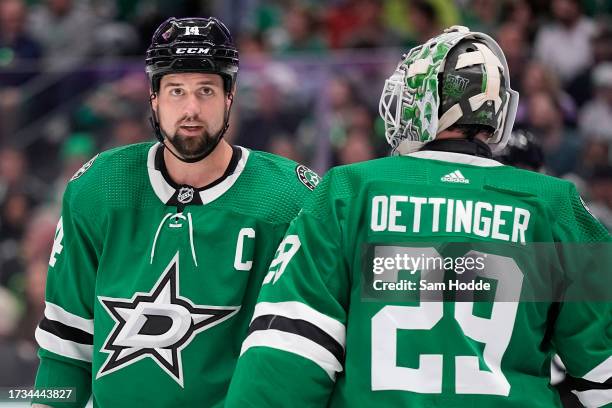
176,92
206,91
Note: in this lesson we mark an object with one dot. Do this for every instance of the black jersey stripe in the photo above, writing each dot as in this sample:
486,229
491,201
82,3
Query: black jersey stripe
580,384
66,332
302,328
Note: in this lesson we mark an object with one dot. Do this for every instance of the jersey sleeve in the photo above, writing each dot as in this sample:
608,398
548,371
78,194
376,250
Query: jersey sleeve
65,334
583,329
295,345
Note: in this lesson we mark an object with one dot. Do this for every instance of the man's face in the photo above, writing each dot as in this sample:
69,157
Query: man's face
12,15
565,11
510,39
190,108
60,7
543,114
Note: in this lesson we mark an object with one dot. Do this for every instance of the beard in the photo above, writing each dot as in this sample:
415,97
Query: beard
193,146
189,145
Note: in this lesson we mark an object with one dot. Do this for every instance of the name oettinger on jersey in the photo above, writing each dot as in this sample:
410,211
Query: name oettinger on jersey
401,213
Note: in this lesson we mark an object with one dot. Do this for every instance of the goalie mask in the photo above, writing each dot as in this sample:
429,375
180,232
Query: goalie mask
457,78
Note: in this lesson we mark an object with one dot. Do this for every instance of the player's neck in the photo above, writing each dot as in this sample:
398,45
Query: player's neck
201,173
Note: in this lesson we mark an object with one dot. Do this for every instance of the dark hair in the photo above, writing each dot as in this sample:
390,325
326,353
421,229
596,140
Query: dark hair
470,131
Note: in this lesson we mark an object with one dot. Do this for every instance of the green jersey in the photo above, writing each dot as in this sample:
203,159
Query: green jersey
316,339
151,284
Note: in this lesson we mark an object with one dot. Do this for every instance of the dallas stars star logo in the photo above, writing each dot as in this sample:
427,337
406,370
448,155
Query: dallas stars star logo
158,324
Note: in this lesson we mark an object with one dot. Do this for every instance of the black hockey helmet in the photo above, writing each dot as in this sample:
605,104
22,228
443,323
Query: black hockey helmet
192,45
523,150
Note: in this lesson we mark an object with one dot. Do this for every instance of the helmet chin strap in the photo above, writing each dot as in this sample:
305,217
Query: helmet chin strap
159,133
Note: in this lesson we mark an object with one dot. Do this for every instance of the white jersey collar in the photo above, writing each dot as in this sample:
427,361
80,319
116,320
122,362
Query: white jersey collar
456,158
165,191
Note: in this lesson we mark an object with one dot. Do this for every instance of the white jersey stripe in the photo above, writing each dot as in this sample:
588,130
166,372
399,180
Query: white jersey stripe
63,347
162,189
601,372
456,158
296,344
57,313
594,398
211,194
298,310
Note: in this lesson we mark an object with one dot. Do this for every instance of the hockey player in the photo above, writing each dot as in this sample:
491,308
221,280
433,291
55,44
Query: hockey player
162,247
320,336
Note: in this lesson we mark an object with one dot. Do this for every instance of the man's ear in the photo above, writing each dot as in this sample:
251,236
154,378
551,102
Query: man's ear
229,97
153,99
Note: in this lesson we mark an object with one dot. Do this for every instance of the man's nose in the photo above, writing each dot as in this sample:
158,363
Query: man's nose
192,106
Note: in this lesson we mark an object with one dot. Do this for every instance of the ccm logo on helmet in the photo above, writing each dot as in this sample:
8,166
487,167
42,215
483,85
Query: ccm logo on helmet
193,50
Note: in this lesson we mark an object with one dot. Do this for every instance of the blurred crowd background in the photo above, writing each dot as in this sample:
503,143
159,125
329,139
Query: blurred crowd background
72,83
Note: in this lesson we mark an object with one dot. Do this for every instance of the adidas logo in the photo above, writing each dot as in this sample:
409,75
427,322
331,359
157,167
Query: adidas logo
455,177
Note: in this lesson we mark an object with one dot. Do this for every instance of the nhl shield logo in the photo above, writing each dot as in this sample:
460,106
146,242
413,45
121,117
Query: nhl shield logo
185,195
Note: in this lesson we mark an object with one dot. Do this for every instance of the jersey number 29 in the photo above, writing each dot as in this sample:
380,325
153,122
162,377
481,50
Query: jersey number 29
493,332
